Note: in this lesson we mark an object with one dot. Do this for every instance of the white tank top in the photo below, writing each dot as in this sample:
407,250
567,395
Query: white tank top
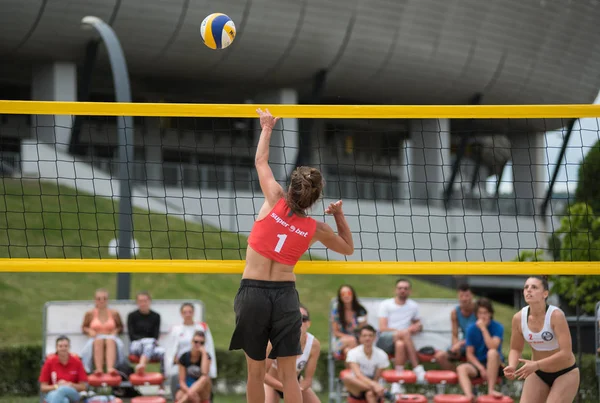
545,340
302,359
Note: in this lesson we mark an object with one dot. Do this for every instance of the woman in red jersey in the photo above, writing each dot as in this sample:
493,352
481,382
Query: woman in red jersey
266,305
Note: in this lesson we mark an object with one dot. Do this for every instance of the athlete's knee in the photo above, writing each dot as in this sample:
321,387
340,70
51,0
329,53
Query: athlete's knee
256,369
399,345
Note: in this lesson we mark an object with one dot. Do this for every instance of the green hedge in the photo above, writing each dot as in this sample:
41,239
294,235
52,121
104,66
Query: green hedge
20,367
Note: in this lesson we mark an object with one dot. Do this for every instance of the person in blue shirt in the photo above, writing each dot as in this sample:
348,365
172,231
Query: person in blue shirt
461,317
484,351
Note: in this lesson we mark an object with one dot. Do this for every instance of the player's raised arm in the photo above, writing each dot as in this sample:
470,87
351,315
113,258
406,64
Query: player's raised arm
269,186
341,242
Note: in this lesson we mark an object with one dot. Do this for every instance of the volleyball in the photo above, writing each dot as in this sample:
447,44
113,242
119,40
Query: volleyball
218,31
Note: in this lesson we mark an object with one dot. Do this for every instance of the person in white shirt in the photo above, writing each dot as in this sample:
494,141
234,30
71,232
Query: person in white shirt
179,341
306,364
398,321
366,362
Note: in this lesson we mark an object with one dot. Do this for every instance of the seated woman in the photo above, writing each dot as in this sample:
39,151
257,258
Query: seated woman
62,376
307,363
179,342
103,325
194,383
347,319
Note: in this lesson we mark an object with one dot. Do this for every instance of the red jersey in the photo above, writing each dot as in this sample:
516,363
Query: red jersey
281,237
53,371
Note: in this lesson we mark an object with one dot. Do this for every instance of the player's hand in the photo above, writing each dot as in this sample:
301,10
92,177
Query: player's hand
481,324
266,119
334,208
529,368
91,333
509,372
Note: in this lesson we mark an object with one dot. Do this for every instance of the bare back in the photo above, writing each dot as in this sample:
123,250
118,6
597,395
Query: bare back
259,267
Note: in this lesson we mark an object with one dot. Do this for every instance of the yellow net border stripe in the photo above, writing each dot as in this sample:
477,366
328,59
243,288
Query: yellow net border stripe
301,111
321,267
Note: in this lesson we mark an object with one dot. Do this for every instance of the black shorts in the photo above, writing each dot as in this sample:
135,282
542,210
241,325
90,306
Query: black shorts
267,311
550,377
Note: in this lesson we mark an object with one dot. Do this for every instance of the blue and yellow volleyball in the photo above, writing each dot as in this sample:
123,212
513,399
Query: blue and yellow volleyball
218,31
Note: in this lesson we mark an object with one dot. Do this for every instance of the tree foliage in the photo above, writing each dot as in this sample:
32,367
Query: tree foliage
588,186
579,239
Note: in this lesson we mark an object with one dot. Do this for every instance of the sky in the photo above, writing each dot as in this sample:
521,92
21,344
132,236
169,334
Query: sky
585,134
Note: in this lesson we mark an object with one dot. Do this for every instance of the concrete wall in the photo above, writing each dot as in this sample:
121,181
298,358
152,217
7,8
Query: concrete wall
403,51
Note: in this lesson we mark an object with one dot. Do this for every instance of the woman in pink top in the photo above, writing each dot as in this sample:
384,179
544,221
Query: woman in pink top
103,325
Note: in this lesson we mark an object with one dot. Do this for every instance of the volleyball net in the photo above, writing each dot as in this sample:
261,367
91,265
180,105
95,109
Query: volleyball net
421,185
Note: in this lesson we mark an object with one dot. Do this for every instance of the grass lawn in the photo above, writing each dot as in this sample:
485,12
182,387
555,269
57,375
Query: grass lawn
39,219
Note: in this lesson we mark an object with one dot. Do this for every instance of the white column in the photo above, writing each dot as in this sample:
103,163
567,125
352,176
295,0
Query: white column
50,82
284,140
54,82
428,152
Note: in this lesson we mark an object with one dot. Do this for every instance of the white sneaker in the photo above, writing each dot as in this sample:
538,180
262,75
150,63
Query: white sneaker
396,389
420,373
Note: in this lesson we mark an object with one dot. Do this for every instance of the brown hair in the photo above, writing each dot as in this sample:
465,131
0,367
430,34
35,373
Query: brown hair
485,304
306,186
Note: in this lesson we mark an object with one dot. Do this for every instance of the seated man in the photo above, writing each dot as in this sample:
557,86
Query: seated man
484,351
461,317
366,362
62,376
398,322
143,326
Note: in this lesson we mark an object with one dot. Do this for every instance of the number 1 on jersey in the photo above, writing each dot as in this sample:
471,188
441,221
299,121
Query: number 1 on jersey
279,245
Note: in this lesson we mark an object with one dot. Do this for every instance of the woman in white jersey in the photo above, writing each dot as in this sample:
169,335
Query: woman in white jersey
307,362
551,375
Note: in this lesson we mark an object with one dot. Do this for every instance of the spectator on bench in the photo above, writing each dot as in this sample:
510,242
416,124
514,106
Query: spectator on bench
484,351
179,342
347,318
366,362
194,383
461,317
144,330
104,326
398,321
62,376
306,362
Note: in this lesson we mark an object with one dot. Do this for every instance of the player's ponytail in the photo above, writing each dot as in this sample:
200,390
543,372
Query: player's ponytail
305,189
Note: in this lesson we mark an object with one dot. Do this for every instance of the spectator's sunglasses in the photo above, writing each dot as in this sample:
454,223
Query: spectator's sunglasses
305,319
201,342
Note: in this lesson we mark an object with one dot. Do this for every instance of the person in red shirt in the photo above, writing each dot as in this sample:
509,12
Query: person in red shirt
266,305
62,377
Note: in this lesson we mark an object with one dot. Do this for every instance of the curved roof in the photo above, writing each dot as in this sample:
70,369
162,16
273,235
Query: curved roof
400,51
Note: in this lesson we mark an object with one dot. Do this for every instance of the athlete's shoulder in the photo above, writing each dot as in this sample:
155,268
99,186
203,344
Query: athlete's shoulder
517,315
557,313
316,346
